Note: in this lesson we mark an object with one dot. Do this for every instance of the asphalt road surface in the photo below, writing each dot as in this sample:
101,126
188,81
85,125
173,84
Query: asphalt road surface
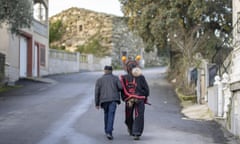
63,112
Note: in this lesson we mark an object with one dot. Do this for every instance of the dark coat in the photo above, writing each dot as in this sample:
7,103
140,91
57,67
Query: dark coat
107,89
142,88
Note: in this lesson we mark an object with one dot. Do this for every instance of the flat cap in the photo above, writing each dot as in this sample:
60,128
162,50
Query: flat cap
108,68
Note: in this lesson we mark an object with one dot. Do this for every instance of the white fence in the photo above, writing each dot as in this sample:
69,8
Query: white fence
219,97
213,89
221,100
213,99
91,63
62,62
66,62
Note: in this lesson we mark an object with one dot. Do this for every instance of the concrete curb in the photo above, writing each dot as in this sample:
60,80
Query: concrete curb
198,112
43,80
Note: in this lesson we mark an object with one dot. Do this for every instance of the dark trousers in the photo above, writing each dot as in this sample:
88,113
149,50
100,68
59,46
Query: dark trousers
109,115
135,117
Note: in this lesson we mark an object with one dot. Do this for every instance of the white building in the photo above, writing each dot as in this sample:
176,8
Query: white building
235,72
26,55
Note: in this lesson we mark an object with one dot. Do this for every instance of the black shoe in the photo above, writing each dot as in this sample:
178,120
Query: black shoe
109,136
136,137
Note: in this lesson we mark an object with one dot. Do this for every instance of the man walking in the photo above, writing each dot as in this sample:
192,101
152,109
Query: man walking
107,96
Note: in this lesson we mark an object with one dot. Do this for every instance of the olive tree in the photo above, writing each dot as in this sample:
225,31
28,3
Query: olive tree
185,27
16,14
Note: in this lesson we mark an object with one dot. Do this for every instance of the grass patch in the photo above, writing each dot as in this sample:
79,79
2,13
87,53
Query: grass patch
186,99
8,88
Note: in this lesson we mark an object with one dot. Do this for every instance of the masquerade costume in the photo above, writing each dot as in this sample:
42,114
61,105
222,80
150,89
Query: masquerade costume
135,92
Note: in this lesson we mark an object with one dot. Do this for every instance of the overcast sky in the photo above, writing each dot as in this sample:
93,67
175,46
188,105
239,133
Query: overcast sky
106,6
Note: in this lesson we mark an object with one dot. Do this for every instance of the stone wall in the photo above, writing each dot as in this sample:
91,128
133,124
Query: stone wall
124,41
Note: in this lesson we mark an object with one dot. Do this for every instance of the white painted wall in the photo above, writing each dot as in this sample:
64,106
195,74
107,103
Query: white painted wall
235,75
9,45
62,62
235,115
235,70
65,62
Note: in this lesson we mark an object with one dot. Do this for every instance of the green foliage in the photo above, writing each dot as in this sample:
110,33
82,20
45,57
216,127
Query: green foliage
186,27
16,14
58,47
5,88
157,20
93,47
56,31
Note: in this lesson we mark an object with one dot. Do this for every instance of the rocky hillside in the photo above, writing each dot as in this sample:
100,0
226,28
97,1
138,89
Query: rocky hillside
111,32
82,25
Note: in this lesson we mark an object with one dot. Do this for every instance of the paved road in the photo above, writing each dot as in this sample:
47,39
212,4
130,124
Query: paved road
62,112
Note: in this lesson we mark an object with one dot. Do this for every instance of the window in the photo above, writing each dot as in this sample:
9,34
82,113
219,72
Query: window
42,56
124,53
80,28
40,12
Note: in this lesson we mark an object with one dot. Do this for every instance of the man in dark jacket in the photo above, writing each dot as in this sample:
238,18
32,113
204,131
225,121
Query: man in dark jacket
107,96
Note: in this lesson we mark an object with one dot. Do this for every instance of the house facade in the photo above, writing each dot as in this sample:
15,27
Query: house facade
235,72
26,54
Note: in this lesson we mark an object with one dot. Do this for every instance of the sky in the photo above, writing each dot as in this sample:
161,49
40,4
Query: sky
105,6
